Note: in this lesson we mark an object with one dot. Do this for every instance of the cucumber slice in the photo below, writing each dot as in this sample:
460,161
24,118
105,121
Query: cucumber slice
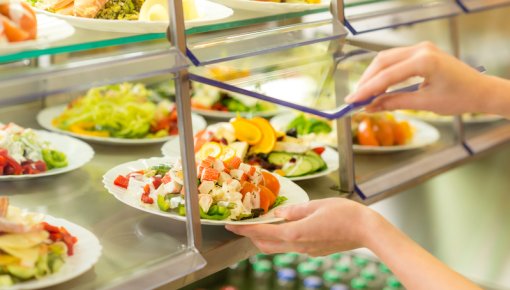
303,166
318,158
316,164
279,158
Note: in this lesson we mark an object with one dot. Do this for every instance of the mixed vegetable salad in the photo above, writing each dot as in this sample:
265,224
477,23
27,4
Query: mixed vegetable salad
380,129
22,151
256,142
207,97
125,110
29,247
228,189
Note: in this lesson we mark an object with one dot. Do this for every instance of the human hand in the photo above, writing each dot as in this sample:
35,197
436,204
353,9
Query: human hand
316,228
449,86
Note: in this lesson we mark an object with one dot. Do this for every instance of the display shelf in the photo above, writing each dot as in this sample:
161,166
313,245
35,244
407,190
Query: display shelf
390,14
28,83
225,46
479,5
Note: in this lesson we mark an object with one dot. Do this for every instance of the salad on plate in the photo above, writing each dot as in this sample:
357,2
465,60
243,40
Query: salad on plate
256,142
30,248
126,111
23,151
227,189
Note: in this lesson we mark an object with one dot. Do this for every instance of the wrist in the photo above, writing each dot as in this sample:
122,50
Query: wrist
493,98
374,226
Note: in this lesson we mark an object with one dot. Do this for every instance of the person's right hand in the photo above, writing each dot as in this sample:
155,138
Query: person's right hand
449,87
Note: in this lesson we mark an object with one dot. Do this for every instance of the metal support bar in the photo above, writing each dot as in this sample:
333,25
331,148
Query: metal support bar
458,125
183,103
343,125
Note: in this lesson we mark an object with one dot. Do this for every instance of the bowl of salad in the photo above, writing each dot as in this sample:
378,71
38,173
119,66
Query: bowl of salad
120,114
27,153
256,142
229,191
40,251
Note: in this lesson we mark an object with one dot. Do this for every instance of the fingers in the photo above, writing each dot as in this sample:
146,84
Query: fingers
295,212
396,101
385,59
262,231
391,76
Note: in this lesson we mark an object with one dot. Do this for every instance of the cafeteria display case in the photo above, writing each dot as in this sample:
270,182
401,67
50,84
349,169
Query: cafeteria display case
279,46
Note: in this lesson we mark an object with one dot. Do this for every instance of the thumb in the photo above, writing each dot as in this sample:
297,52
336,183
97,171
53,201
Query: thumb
294,212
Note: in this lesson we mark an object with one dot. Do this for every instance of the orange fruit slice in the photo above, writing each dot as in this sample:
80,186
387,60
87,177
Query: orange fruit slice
246,131
268,140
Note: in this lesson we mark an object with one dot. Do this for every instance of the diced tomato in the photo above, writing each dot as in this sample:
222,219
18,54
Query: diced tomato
12,167
147,199
166,179
40,165
157,182
210,174
147,189
121,181
49,228
219,107
319,150
3,160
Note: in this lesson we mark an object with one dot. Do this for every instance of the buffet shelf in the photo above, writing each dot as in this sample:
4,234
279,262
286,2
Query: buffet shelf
479,5
390,14
146,250
26,83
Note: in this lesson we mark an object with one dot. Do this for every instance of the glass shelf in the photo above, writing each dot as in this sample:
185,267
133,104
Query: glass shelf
389,14
479,5
224,46
25,83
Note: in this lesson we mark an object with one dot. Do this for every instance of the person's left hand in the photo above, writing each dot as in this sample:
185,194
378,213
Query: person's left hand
317,228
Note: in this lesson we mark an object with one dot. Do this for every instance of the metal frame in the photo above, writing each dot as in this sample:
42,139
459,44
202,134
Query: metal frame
177,37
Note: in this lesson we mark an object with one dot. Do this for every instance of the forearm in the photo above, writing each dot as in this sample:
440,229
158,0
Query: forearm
415,267
496,98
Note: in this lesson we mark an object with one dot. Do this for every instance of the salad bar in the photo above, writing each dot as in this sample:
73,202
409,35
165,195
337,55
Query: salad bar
104,138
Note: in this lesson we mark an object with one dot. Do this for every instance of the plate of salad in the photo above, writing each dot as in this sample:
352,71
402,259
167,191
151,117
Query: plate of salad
122,114
27,153
229,191
213,102
372,133
257,143
40,250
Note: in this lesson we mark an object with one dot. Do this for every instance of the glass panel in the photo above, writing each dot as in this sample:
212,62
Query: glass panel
389,14
223,46
30,82
477,5
307,79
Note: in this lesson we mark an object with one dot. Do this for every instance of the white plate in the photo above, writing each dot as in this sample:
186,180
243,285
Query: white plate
49,29
289,189
86,253
330,156
229,115
46,116
271,7
424,135
209,12
441,120
78,154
